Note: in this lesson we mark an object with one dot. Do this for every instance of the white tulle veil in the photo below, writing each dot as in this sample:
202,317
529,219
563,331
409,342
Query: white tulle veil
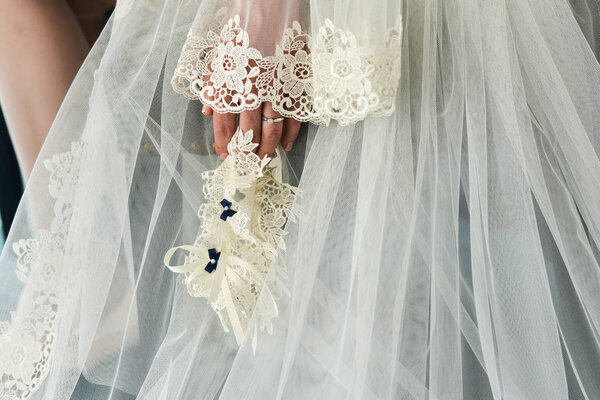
446,245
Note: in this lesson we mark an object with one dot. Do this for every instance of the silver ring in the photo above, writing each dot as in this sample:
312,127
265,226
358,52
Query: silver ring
271,120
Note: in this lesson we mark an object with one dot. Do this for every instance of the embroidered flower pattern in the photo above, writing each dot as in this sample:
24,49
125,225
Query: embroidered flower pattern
353,81
309,78
296,74
340,72
20,354
229,67
236,259
26,342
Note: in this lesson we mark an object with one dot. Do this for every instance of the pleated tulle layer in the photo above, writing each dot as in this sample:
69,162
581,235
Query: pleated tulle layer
445,250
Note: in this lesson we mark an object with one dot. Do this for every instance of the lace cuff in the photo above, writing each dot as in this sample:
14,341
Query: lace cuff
234,263
312,78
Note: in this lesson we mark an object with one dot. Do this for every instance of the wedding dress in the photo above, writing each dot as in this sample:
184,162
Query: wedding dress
433,234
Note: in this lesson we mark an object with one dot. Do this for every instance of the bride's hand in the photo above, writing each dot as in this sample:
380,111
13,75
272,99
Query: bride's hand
265,24
268,135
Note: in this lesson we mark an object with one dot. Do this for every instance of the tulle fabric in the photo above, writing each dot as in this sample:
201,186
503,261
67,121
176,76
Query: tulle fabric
446,251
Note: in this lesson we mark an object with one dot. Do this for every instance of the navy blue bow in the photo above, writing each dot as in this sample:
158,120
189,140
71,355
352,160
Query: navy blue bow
227,211
214,255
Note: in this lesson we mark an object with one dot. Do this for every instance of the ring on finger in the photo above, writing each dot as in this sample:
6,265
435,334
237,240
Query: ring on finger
271,120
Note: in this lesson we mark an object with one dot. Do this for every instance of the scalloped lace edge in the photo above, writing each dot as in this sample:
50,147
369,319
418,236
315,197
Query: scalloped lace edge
26,342
309,78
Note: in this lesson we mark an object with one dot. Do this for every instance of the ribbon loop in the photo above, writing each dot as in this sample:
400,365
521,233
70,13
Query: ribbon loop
232,264
227,211
213,256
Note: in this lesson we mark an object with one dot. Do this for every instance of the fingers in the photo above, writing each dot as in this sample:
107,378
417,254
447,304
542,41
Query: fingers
267,135
206,110
252,120
291,128
271,133
224,128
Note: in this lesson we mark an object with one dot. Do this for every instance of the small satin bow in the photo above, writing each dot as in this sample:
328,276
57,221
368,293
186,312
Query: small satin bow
214,255
227,211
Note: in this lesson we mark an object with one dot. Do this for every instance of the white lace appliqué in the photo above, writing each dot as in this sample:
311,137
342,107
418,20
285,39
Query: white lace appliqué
26,341
310,78
234,263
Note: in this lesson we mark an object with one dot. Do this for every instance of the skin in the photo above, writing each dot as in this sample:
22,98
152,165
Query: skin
262,19
44,42
267,135
48,40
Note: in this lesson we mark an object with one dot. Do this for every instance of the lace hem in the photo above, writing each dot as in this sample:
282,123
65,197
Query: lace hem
310,78
234,263
26,342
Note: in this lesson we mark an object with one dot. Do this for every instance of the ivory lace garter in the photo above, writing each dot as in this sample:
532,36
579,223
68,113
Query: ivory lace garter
234,262
310,78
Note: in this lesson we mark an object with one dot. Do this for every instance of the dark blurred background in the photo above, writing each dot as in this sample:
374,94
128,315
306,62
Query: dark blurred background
11,185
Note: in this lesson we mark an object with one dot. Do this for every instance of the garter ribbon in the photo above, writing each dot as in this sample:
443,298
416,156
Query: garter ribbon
194,269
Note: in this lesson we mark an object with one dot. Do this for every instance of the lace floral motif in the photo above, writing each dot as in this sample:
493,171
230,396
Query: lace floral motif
26,341
308,78
234,262
353,81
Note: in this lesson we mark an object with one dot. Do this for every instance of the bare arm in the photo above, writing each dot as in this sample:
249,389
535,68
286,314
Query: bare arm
42,45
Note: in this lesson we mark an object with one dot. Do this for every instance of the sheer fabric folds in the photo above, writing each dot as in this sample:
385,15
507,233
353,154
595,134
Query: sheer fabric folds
446,245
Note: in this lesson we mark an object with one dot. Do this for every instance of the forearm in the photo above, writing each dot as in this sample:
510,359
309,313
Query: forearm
42,47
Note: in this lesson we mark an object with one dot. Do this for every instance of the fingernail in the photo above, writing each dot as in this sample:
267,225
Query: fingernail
289,146
204,110
223,156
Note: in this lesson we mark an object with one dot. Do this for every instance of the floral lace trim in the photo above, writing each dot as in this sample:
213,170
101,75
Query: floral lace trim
234,262
316,79
26,342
